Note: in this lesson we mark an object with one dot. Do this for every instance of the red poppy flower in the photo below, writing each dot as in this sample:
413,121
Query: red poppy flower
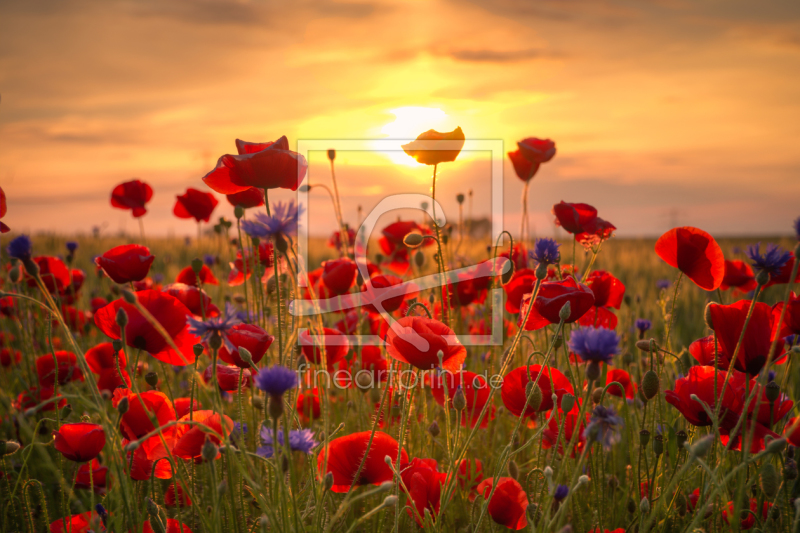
598,530
525,169
3,211
371,363
140,334
10,356
189,439
739,275
691,501
268,165
252,338
308,406
521,283
343,456
195,204
476,391
537,150
695,253
417,341
389,292
194,298
37,395
624,379
783,276
103,356
183,406
130,262
137,422
68,369
608,291
595,232
339,275
173,526
141,466
769,413
574,218
599,317
515,385
98,303
227,377
110,379
552,296
187,276
791,319
335,345
703,352
519,255
335,240
97,480
8,306
571,424
132,195
433,147
75,319
423,483
469,473
728,321
146,284
182,499
70,293
748,520
54,273
392,246
509,502
80,442
247,198
77,523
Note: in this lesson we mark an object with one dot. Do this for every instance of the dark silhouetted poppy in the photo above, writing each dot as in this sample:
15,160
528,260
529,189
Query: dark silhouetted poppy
183,406
728,321
703,352
339,275
791,318
173,526
524,169
747,520
624,379
469,473
515,383
187,276
247,198
574,218
423,483
80,442
335,240
132,195
537,150
568,424
189,439
140,334
552,296
608,291
695,253
252,338
335,345
3,211
738,275
54,273
599,317
77,523
417,341
343,456
195,204
98,479
268,165
68,369
521,283
123,264
509,502
433,147
181,500
194,298
136,423
476,392
227,377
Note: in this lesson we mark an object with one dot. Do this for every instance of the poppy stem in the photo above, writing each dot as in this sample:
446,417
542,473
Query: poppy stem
277,283
440,252
524,219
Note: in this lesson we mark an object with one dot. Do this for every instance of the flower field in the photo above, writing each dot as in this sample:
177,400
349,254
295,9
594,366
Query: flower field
407,380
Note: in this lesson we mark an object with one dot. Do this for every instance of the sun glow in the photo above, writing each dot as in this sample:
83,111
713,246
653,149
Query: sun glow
409,122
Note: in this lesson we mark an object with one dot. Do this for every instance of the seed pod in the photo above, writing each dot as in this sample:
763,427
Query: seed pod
433,429
151,378
613,483
644,345
508,272
769,480
772,391
534,395
413,239
198,350
197,265
650,384
658,445
331,154
558,342
238,212
364,381
258,402
513,469
644,438
775,513
567,402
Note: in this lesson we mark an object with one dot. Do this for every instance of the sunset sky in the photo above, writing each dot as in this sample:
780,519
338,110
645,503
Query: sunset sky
663,112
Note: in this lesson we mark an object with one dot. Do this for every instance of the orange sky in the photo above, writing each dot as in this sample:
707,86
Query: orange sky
666,111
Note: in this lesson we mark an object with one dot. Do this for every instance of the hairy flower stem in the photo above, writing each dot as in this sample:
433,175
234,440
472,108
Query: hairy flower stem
277,283
440,253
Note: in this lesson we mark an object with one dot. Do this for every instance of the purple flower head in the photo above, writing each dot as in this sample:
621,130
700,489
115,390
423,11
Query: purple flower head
736,250
594,344
642,324
276,380
545,251
72,246
771,376
158,277
282,222
300,440
209,260
20,248
791,340
603,427
771,261
561,492
663,284
219,325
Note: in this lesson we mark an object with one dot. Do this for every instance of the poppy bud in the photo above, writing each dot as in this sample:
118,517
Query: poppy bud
707,315
558,342
773,391
644,345
275,408
650,384
681,437
769,480
775,446
122,318
513,469
597,394
151,506
533,512
8,447
15,275
151,378
541,271
460,198
700,447
565,311
508,272
66,411
258,402
762,277
364,381
419,259
123,405
245,355
129,296
328,481
209,451
413,239
644,506
790,469
331,154
644,438
222,488
680,504
567,402
658,445
631,506
390,501
238,212
280,243
592,371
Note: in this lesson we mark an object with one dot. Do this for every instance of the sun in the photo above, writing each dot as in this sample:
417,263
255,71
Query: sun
409,122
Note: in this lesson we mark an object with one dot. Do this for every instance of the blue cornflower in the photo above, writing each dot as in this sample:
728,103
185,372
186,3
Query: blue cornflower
20,248
300,440
642,324
102,513
276,380
771,262
771,376
282,222
218,325
663,284
594,344
791,340
736,250
72,246
797,228
209,260
545,252
158,277
603,427
561,492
